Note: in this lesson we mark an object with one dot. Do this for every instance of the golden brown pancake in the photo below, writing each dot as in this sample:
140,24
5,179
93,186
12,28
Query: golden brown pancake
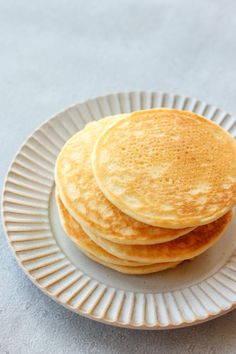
185,247
87,246
85,201
138,270
167,168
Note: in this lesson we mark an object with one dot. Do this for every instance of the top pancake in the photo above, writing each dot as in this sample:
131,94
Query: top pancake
167,168
85,201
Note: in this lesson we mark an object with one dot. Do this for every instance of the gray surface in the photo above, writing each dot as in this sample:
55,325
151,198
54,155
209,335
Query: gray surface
55,53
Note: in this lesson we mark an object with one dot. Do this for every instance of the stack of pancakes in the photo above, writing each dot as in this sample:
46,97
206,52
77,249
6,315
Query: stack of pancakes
142,192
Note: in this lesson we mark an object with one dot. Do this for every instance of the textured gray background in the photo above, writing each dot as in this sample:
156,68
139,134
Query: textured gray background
54,53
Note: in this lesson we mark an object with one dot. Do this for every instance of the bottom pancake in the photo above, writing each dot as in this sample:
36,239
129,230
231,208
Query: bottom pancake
87,246
138,270
185,247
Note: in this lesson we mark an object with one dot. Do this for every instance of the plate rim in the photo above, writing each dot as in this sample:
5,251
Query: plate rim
115,323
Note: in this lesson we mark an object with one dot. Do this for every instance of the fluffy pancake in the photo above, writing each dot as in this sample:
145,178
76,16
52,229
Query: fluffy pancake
138,270
85,201
167,168
76,233
185,247
87,246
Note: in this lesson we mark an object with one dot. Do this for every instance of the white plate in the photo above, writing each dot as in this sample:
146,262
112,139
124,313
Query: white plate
193,292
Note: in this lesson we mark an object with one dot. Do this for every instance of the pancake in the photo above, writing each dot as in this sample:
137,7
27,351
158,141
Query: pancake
78,236
168,168
185,247
87,246
138,270
85,201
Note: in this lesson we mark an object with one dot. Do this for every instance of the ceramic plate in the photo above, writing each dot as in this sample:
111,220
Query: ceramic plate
193,292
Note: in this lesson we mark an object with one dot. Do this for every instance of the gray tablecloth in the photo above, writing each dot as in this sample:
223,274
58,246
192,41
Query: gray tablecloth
54,53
